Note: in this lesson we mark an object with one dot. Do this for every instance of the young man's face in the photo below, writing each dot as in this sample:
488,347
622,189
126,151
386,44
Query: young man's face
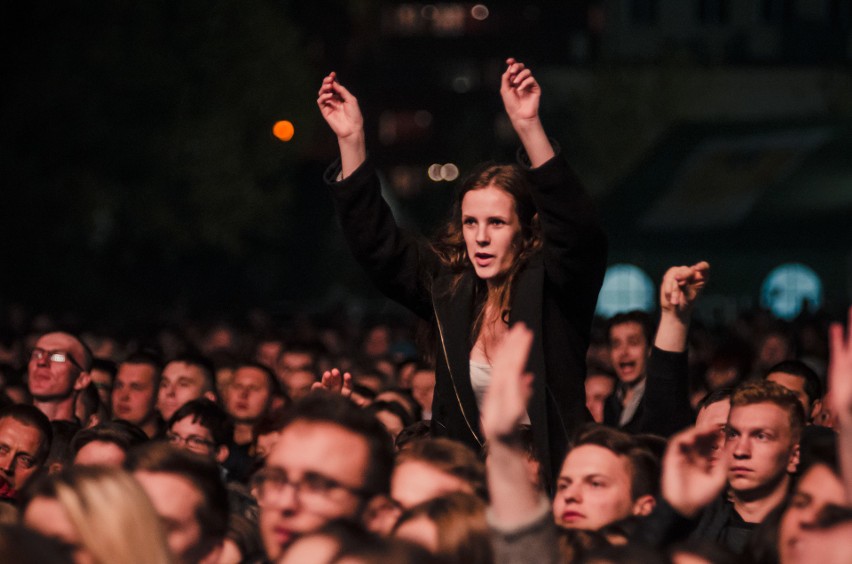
760,447
314,474
180,383
628,349
133,394
248,395
19,449
191,435
593,489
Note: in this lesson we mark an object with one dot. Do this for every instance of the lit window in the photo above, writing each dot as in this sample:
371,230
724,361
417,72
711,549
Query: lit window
625,288
788,287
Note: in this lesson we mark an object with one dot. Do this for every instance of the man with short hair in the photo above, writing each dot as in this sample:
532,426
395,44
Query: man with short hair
134,394
800,379
183,379
630,337
652,395
189,496
723,502
58,370
202,427
25,436
330,462
606,476
247,399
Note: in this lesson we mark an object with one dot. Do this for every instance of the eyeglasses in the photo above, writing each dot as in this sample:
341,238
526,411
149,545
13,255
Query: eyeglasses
269,483
60,357
192,442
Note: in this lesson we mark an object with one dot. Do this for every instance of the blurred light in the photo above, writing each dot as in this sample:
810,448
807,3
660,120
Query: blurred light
283,130
449,172
625,287
479,12
423,118
788,288
434,172
461,84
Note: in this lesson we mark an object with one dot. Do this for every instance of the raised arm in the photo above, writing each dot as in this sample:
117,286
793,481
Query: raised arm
514,500
666,400
521,95
340,110
680,288
840,396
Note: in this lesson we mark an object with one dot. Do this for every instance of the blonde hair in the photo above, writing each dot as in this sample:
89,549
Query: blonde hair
110,511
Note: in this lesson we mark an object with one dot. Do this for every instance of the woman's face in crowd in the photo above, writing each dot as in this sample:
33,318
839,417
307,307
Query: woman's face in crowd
490,226
816,489
593,489
47,516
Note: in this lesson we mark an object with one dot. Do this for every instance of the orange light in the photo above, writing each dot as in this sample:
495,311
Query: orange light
283,130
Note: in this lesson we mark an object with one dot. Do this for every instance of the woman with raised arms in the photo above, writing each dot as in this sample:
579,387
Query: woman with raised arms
523,244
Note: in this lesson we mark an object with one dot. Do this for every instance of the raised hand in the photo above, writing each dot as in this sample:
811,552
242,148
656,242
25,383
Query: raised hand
520,91
505,402
682,285
692,475
340,108
840,374
521,95
335,382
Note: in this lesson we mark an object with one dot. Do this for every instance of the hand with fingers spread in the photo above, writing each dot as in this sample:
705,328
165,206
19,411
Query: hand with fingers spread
340,110
335,382
681,286
692,475
505,402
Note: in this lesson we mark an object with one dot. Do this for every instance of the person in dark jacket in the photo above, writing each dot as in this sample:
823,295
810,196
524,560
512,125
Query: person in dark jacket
652,395
524,244
723,499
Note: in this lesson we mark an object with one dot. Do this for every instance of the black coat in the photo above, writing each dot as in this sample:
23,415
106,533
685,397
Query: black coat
554,294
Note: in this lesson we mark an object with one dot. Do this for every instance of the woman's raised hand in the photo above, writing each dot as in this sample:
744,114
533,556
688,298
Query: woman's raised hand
521,95
340,109
520,91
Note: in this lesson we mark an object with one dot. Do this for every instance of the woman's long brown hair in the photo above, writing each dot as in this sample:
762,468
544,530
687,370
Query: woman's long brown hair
451,250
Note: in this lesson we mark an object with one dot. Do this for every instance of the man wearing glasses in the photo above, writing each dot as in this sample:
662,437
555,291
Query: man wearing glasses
331,460
57,371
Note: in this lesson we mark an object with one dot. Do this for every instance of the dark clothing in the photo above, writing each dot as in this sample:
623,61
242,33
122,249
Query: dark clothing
554,295
664,408
239,465
718,522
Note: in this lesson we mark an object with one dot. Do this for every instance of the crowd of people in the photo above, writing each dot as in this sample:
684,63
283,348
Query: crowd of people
524,431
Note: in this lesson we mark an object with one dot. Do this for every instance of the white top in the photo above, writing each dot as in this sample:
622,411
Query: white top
480,379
